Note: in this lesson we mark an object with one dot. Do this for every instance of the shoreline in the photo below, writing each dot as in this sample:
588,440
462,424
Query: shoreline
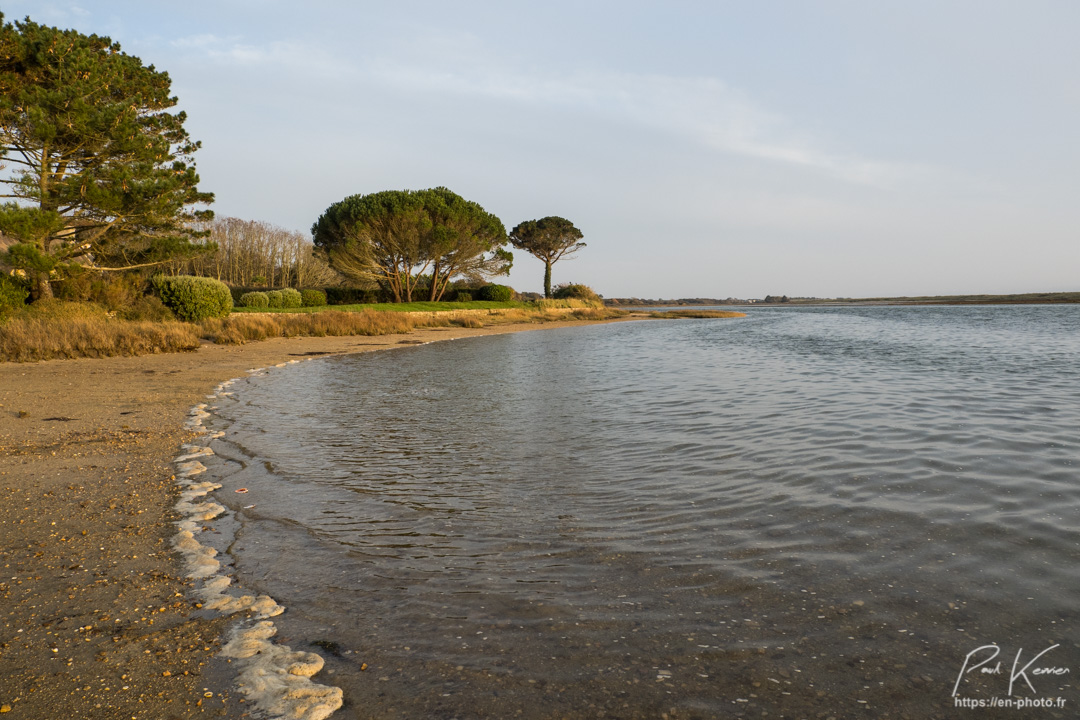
101,616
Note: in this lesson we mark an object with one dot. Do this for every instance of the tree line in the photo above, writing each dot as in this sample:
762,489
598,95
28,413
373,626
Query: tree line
97,174
251,253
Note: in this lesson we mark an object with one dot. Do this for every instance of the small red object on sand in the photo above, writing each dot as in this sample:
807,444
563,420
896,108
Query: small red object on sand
242,490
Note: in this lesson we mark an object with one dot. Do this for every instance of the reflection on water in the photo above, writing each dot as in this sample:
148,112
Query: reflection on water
807,512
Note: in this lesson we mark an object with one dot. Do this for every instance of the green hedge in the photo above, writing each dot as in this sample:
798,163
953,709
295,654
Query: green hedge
290,298
255,299
312,298
274,299
193,298
496,293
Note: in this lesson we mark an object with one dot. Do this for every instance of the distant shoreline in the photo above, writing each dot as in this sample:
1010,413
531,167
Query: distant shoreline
1060,298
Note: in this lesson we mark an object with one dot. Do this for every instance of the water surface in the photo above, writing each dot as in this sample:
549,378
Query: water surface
809,510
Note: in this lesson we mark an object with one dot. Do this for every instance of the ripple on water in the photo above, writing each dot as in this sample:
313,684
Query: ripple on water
636,517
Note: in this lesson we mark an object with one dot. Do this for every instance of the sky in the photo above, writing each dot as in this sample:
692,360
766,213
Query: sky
819,148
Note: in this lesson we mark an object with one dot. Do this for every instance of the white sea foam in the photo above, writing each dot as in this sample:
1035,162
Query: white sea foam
274,678
194,452
188,469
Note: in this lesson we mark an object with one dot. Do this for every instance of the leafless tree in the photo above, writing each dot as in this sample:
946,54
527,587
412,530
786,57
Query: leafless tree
254,253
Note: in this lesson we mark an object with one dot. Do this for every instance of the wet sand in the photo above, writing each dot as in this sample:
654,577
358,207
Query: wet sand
98,617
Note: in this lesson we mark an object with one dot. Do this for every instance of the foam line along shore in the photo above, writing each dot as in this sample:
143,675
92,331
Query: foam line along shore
273,677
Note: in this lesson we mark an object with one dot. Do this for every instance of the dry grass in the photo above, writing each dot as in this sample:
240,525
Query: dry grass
598,313
675,314
249,327
25,339
468,321
70,330
573,303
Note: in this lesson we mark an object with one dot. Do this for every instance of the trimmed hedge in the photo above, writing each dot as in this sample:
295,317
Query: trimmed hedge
274,299
290,298
463,296
496,293
312,298
193,298
255,299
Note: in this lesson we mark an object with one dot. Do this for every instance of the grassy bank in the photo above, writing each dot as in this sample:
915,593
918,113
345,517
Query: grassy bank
410,307
73,330
434,307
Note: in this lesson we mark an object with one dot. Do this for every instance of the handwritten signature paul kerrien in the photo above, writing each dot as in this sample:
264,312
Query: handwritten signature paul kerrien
1023,673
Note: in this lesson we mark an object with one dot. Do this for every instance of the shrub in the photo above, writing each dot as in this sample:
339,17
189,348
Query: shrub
115,292
572,290
290,298
193,298
274,299
13,294
255,299
146,308
463,296
312,298
350,296
496,293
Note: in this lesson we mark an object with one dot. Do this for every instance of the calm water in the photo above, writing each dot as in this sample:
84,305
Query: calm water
803,513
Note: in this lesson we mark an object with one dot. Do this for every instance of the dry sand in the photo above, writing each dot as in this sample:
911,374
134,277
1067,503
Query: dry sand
98,618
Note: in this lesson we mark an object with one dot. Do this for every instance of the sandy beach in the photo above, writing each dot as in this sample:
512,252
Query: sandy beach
98,618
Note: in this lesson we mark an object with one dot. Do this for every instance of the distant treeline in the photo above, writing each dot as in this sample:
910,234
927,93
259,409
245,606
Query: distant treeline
645,302
1016,299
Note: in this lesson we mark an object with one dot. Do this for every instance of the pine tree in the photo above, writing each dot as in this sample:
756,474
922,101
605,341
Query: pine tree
96,171
549,240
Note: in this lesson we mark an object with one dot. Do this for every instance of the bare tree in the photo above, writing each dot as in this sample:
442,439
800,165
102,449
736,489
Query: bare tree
251,253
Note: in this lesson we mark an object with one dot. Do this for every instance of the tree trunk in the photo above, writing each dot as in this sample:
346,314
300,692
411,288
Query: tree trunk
42,288
432,296
547,280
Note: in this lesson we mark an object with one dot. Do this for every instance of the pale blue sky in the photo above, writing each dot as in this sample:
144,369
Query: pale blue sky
716,149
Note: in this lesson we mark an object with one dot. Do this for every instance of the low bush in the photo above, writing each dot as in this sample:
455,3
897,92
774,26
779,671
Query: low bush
312,298
193,298
274,299
351,296
13,294
496,293
146,308
113,291
255,299
291,298
463,296
567,291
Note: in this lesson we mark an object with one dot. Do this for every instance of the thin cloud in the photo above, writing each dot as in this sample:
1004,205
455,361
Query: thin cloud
703,109
280,55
